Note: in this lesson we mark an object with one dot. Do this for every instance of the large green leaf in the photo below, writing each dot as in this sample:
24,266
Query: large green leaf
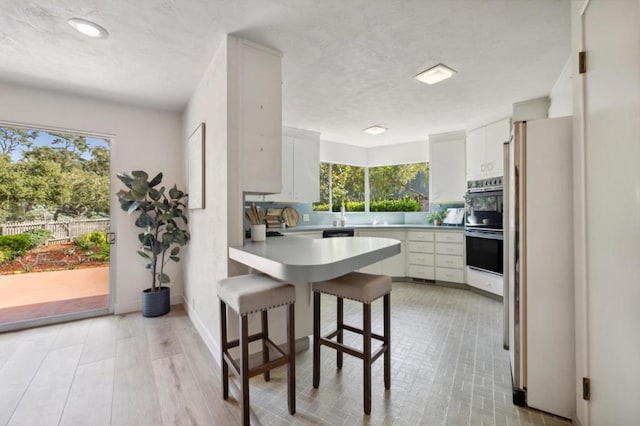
164,278
145,255
174,258
139,174
125,178
144,220
174,192
140,186
175,251
147,240
156,180
135,205
154,194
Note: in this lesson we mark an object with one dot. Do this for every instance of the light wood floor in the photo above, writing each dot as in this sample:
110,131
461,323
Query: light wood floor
130,370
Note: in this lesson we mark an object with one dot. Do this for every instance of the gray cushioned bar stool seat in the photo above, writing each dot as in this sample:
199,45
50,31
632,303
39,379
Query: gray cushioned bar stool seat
246,294
364,288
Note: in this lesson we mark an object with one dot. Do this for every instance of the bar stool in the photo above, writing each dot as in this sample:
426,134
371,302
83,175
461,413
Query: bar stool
245,294
364,288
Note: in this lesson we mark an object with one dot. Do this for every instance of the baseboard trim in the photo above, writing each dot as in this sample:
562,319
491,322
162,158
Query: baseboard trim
198,324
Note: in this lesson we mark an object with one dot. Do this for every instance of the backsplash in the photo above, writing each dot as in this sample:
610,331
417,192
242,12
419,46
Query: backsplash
353,218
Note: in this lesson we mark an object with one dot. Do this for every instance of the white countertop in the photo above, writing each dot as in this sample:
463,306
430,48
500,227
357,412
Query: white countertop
299,260
381,227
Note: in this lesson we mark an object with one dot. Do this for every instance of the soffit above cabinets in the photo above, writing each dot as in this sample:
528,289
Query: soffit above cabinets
346,65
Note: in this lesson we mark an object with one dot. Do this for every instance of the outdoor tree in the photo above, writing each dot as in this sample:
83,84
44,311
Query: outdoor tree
11,139
396,181
68,177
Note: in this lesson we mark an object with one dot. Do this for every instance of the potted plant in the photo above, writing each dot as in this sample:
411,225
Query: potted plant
161,216
437,217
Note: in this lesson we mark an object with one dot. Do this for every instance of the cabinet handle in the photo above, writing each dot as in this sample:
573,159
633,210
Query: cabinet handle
482,168
490,166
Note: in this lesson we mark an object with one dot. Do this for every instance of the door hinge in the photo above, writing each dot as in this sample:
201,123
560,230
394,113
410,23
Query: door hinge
582,62
111,237
586,389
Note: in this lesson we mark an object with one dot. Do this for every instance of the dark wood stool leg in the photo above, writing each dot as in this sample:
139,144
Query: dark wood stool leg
223,349
265,348
291,367
340,333
316,339
366,343
387,340
244,368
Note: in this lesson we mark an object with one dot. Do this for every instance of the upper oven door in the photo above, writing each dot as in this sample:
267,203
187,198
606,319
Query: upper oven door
483,210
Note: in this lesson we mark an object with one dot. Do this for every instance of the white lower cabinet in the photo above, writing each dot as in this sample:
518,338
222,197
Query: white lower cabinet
392,266
420,255
450,256
485,281
436,255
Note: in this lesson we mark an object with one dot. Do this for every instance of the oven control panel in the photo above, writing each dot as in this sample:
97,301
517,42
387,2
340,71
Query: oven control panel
481,185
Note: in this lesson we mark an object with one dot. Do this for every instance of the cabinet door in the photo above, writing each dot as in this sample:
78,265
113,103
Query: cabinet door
306,170
447,171
287,172
260,97
476,153
497,134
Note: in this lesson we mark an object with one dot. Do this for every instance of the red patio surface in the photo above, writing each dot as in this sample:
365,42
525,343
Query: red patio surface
43,294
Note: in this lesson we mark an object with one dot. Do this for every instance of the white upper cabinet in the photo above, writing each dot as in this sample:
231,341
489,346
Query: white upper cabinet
259,85
446,167
300,167
485,149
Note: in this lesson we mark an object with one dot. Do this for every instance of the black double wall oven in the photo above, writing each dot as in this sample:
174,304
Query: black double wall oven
483,225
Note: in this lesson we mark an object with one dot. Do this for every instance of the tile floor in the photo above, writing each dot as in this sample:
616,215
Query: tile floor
448,368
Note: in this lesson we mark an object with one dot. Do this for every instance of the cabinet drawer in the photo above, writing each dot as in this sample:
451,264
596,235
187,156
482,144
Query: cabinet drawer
420,236
423,259
485,281
451,275
420,247
447,261
450,237
424,272
450,248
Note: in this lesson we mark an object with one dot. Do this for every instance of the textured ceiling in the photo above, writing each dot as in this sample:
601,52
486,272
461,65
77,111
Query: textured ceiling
347,64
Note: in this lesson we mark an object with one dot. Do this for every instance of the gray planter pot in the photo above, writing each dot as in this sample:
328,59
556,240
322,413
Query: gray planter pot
156,303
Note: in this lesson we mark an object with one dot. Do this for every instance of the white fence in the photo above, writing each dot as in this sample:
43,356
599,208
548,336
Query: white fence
62,230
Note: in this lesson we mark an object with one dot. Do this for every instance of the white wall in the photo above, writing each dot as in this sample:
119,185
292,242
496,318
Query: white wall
142,138
206,257
333,152
404,153
561,93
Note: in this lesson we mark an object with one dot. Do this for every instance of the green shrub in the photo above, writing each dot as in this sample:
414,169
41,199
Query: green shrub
91,240
406,204
321,207
5,256
104,254
15,245
39,236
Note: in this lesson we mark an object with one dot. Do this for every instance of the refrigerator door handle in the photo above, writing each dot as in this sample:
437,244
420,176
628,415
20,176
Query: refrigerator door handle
505,252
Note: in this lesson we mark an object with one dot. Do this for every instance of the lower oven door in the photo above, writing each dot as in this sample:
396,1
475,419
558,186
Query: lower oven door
484,250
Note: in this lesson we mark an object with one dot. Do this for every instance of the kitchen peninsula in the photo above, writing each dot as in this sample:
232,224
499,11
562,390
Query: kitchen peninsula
301,261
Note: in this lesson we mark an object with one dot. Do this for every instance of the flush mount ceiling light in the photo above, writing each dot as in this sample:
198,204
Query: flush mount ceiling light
375,130
88,28
435,74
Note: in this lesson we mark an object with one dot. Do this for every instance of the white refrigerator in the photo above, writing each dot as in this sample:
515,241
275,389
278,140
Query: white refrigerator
538,264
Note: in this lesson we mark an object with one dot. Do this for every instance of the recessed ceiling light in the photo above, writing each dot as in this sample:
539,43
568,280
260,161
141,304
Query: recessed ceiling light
435,74
375,130
88,28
